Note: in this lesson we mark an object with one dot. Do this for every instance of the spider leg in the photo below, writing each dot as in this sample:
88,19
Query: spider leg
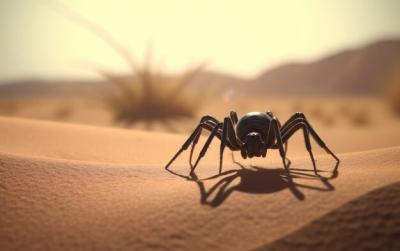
279,141
285,126
279,126
289,122
210,123
285,143
228,136
301,125
207,145
192,137
306,134
320,142
302,118
223,142
229,139
234,117
185,145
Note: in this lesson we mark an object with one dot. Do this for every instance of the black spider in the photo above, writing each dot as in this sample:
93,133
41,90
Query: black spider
255,133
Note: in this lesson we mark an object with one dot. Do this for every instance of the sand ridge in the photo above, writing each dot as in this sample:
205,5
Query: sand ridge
35,138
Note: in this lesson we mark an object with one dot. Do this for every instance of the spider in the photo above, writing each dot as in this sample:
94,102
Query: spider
255,133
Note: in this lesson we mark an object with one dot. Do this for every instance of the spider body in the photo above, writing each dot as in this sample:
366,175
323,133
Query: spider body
252,135
253,130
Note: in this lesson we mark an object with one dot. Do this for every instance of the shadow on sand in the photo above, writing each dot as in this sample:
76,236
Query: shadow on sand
258,180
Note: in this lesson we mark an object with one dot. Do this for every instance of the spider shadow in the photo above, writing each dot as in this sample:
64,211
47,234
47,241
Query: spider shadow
258,180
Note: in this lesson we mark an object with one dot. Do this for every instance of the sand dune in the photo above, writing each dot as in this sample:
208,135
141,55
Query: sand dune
375,214
78,187
86,143
354,71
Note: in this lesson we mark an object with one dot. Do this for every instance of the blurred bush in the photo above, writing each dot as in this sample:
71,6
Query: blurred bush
392,89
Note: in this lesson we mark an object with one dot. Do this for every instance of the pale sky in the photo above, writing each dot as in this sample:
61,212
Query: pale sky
239,37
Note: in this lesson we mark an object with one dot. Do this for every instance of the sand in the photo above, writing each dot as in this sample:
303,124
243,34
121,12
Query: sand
77,187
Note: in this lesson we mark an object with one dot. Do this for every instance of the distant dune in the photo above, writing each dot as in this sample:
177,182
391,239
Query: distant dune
57,89
357,71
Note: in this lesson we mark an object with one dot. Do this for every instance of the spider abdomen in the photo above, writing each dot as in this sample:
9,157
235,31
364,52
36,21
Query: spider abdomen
258,122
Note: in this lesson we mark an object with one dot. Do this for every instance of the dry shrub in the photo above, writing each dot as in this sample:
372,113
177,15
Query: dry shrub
9,107
360,117
63,112
344,110
151,97
328,120
144,96
317,112
356,116
392,89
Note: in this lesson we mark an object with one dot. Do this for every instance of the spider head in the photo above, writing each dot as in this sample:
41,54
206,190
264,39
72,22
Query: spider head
253,146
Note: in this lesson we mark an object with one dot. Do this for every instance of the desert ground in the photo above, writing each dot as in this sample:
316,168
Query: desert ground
70,184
